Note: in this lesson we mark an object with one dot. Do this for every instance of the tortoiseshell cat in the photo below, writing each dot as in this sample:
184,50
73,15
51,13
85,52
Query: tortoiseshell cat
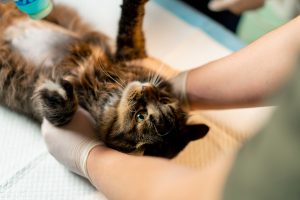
48,68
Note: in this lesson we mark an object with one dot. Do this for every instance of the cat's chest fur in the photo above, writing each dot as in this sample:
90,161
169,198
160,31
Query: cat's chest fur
40,43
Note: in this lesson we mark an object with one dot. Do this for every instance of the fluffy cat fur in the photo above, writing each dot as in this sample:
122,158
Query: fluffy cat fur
48,68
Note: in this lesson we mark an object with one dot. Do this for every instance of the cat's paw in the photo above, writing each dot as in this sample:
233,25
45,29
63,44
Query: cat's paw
57,101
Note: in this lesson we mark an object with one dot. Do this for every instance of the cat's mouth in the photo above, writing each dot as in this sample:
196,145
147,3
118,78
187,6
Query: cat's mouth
162,134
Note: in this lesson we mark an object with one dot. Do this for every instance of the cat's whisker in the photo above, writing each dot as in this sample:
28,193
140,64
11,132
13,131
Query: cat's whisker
123,86
121,79
156,80
159,82
131,104
111,77
153,78
150,78
124,83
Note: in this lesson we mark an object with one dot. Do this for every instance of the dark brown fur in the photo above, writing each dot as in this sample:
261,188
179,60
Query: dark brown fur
129,115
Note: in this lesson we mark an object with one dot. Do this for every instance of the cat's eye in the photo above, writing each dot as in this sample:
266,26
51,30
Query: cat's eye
141,116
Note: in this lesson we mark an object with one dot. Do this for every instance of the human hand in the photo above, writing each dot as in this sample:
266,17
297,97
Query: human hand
179,86
235,6
70,144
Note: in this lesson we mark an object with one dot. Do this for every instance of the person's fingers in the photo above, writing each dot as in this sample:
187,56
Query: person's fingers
68,145
235,6
82,122
220,5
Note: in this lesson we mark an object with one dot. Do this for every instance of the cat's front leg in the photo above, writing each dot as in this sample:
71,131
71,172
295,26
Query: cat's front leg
130,38
56,102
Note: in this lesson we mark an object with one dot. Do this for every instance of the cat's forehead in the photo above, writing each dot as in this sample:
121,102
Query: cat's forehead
159,90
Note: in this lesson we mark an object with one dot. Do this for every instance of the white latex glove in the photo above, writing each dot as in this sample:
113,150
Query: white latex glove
179,86
235,6
71,144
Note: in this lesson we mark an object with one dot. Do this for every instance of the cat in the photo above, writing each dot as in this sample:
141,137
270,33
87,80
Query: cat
50,67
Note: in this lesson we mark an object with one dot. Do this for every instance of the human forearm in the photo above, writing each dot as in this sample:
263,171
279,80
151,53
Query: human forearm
248,76
122,176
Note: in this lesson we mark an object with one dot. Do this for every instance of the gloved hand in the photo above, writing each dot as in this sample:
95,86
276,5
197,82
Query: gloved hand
235,6
179,85
70,144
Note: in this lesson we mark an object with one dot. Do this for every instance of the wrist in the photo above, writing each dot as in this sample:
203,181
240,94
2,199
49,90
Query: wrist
179,84
82,155
94,162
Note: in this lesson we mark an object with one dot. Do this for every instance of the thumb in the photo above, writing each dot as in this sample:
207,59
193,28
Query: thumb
220,5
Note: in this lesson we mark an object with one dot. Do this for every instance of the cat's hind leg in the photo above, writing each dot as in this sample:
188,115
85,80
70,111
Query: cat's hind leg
70,19
56,101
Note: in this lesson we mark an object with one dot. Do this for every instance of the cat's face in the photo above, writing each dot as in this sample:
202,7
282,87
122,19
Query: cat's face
150,119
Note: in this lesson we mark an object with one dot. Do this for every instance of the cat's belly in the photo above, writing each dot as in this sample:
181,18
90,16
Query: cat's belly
39,42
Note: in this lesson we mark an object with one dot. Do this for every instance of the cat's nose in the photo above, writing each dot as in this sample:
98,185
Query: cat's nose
151,118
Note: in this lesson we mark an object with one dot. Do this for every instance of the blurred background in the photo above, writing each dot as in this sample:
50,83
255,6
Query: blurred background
249,19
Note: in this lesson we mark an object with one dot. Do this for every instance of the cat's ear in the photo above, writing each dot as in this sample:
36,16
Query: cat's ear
196,131
177,142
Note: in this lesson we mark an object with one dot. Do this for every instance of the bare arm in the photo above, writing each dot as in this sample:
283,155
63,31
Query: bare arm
248,76
122,176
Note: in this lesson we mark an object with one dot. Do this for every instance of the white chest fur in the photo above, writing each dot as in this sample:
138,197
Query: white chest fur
38,42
